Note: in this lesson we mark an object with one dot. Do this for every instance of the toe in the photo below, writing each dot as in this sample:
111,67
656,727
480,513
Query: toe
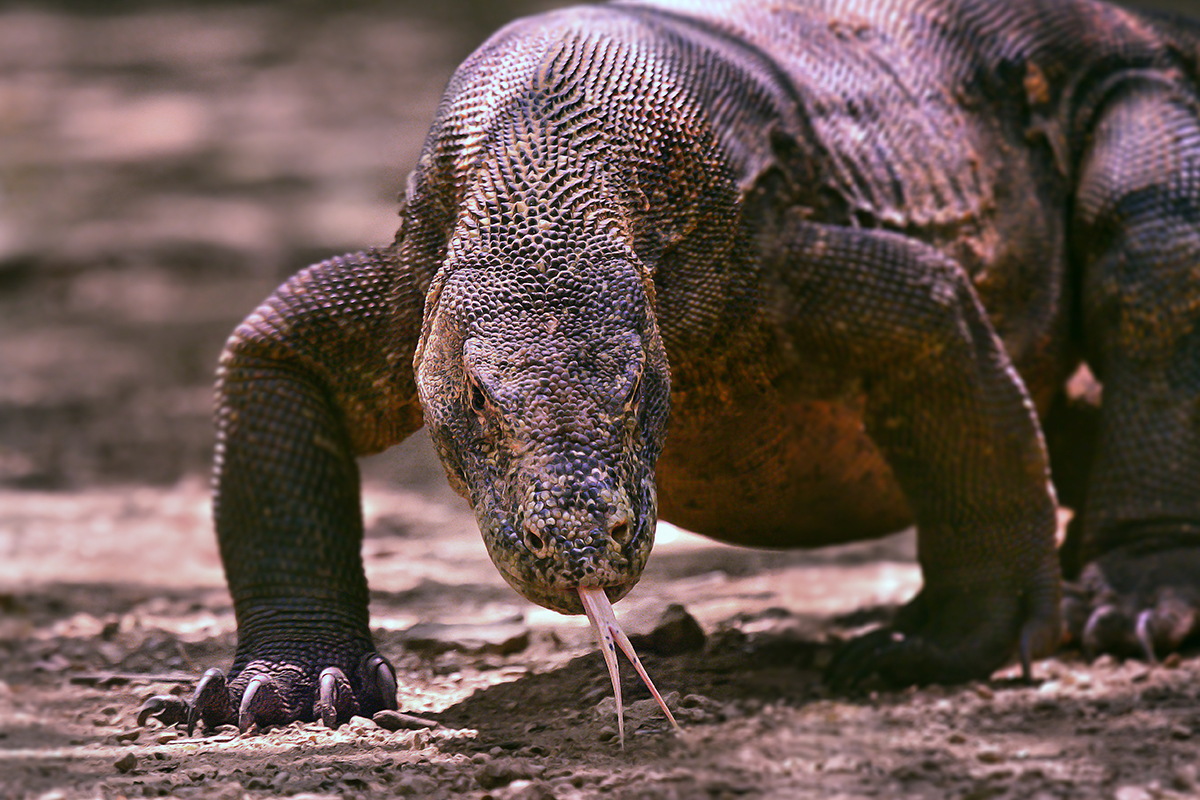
1108,630
166,708
1168,625
265,702
378,681
861,658
211,702
335,698
1076,610
1135,603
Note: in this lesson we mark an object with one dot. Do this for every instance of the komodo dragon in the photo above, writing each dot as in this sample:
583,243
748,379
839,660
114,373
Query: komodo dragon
854,248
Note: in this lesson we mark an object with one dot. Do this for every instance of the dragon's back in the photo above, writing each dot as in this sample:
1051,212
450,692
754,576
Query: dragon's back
906,102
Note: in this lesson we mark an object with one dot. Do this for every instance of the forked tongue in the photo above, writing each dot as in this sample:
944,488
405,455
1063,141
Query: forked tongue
610,636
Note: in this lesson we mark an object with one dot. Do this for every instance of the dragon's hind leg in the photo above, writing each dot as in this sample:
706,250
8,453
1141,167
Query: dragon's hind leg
947,409
1137,239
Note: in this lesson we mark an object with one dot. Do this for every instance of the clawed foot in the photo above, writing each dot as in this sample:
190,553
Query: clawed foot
951,638
267,694
1132,603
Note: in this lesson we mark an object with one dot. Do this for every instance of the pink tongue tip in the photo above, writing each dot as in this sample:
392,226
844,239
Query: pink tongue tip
610,636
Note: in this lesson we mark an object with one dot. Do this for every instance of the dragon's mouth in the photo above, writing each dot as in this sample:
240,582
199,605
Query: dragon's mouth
552,587
610,636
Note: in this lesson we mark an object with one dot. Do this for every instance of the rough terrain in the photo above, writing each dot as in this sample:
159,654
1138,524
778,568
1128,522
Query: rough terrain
160,171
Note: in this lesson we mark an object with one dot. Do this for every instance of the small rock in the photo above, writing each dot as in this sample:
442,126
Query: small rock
677,632
1132,793
1181,732
503,771
229,790
983,691
111,652
167,736
415,785
126,762
1184,777
1173,661
358,723
640,712
531,790
397,721
732,711
989,755
128,736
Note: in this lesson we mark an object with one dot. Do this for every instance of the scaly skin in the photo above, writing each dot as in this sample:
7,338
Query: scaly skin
856,254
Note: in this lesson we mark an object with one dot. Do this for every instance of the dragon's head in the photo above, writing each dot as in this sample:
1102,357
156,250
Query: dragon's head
546,389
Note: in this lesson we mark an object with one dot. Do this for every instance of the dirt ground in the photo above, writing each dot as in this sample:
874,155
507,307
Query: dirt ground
162,168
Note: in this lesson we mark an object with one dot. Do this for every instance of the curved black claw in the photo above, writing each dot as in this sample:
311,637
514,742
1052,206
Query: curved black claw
266,701
377,677
211,702
1135,603
335,699
166,708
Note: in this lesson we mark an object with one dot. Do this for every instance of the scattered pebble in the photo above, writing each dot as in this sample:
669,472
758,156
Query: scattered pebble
983,691
1183,777
989,755
358,723
126,763
503,771
530,790
1132,793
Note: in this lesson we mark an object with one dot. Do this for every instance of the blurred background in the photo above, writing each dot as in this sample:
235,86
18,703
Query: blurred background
163,166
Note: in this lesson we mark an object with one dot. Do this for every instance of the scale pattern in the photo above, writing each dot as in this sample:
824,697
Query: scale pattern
846,252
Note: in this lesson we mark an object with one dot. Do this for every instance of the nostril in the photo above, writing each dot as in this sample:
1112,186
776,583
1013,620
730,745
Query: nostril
533,540
620,534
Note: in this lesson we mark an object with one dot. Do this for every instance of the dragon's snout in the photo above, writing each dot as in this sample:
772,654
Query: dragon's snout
547,553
